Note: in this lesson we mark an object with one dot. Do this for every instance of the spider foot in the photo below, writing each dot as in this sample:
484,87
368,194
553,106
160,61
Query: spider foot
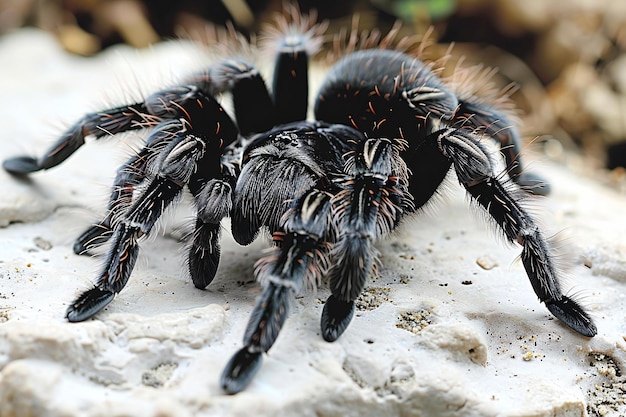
240,369
95,236
336,317
533,183
88,304
573,315
203,269
21,165
204,254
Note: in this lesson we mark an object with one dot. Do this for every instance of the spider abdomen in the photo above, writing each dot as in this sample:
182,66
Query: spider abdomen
383,93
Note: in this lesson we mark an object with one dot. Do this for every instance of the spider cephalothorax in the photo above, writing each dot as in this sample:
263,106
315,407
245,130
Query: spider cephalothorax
387,131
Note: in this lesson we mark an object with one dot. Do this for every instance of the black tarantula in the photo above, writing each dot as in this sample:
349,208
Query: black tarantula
387,130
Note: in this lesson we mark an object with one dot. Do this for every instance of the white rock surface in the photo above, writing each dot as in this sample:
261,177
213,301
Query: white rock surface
425,342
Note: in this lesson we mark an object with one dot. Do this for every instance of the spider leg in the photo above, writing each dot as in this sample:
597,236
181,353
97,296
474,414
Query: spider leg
98,124
283,187
252,103
301,250
138,220
131,174
214,202
370,205
193,144
169,103
294,45
497,124
291,83
475,171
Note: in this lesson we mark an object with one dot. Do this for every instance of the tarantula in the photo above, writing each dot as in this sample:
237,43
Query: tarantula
387,131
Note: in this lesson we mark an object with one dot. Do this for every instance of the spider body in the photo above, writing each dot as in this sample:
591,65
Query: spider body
387,131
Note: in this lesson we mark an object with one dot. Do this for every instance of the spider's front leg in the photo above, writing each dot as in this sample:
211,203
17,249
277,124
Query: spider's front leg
136,221
303,248
500,199
371,202
130,175
283,186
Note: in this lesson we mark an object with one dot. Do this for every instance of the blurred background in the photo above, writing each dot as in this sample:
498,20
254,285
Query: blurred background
567,56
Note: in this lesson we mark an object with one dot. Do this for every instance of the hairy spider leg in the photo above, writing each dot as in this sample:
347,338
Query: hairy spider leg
214,199
164,104
138,220
284,185
252,104
303,245
290,86
472,115
122,254
372,200
131,174
475,172
196,140
98,124
167,104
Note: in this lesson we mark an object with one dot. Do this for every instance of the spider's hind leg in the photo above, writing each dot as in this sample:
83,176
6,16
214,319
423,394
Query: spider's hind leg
475,171
296,39
252,103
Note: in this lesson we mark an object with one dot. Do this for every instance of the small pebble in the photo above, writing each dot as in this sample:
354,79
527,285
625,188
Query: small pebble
42,244
486,262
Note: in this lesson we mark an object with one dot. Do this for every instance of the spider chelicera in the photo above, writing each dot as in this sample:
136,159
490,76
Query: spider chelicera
387,131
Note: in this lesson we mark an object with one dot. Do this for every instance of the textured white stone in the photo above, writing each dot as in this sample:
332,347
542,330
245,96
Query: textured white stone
485,349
